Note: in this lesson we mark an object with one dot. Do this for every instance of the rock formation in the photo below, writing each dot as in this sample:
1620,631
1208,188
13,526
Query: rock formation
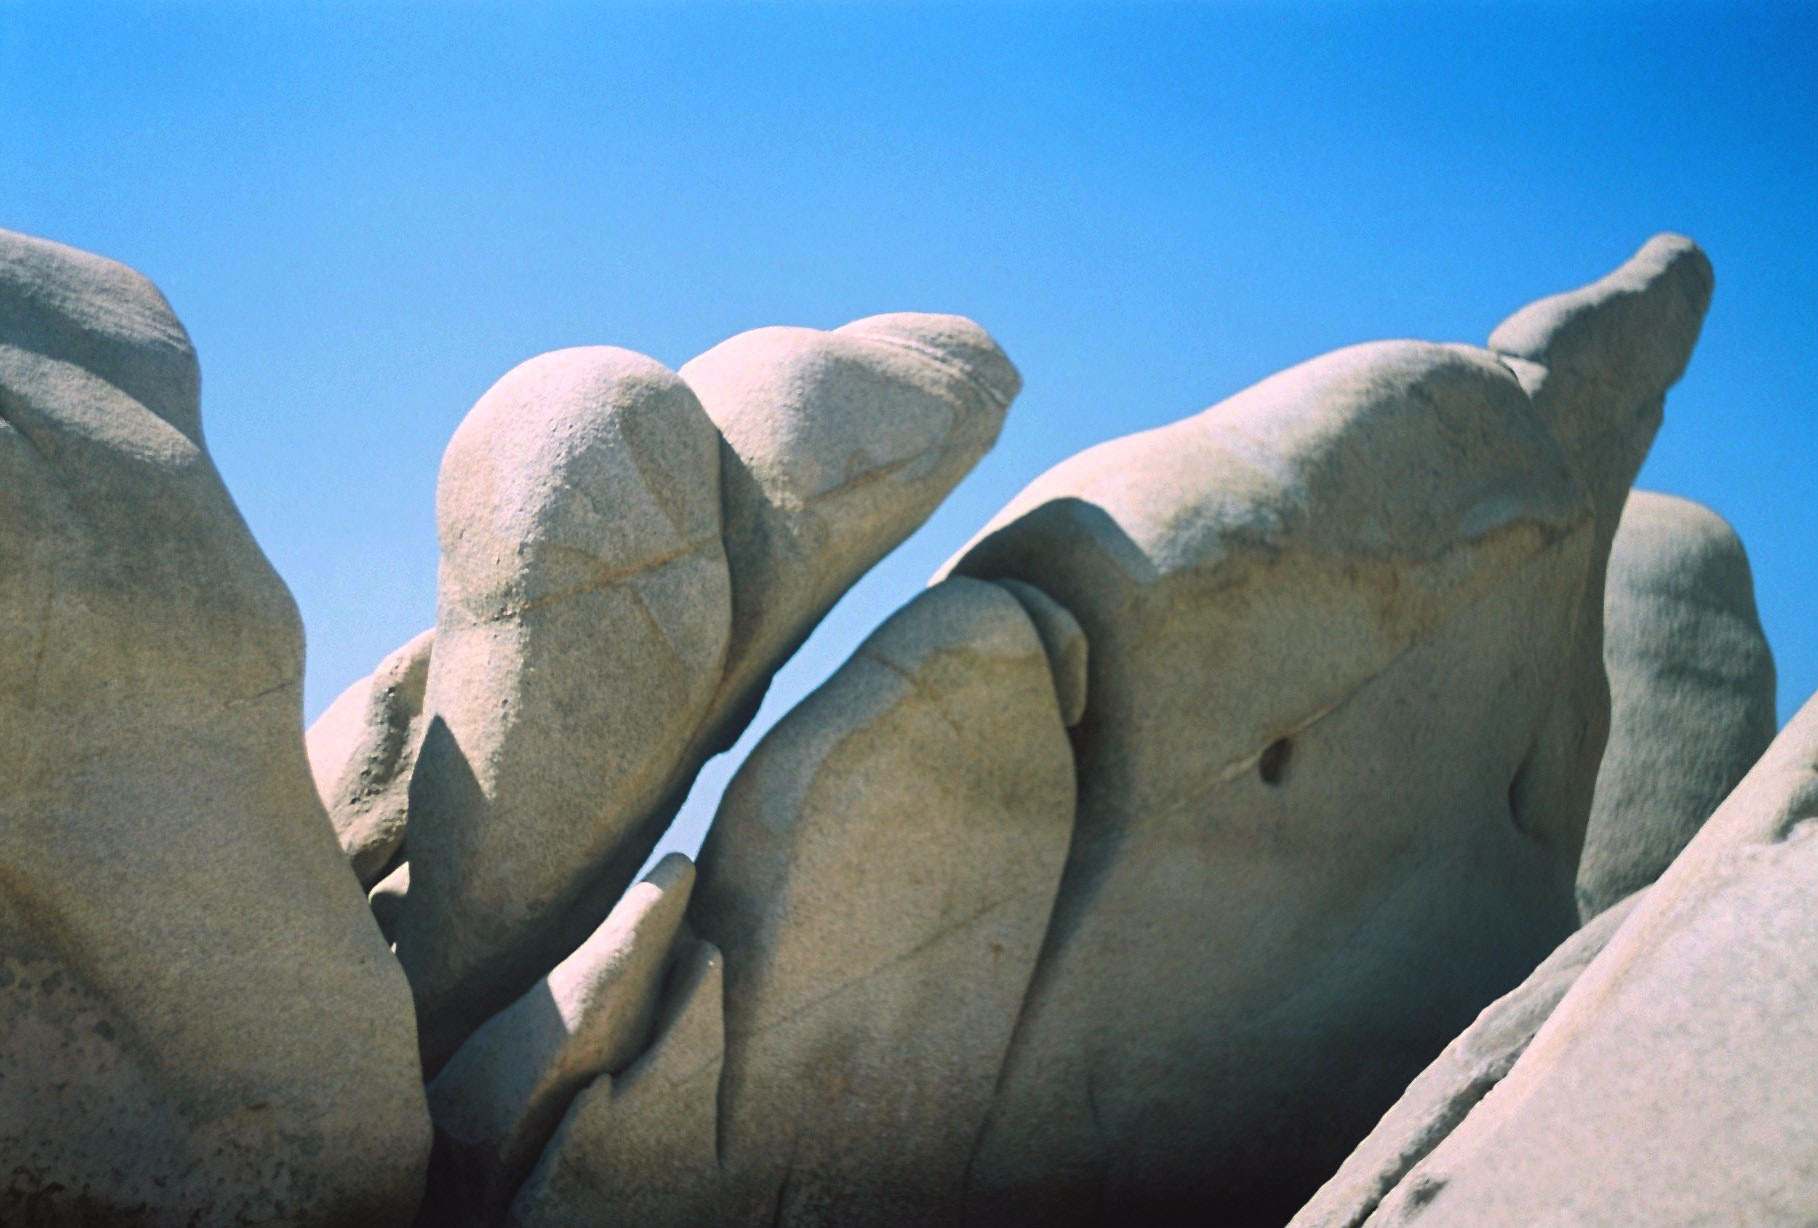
624,568
1674,1083
1125,875
362,751
878,880
1691,691
1326,780
199,1022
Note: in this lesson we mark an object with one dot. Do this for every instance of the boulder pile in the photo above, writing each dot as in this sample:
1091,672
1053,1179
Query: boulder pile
1352,798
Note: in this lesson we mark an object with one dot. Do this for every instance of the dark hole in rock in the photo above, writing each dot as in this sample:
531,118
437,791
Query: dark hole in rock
1274,761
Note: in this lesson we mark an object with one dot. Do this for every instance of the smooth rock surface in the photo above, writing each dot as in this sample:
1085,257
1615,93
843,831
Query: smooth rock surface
1597,362
836,445
1327,782
879,878
501,1096
1461,1076
583,611
642,1148
1691,691
361,752
1677,1082
1310,702
199,1022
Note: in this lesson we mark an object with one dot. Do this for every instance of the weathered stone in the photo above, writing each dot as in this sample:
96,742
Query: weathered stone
1597,362
1459,1077
582,618
642,1149
199,1022
879,877
361,752
1677,1081
501,1096
1691,691
1327,783
836,446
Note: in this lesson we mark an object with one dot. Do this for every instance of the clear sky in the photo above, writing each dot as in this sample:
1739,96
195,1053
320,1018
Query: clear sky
367,213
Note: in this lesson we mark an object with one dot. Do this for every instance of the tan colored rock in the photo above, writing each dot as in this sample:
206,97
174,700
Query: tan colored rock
1691,691
1461,1076
839,445
361,753
582,622
879,877
199,1022
1327,783
1597,362
501,1096
643,1147
1677,1082
836,446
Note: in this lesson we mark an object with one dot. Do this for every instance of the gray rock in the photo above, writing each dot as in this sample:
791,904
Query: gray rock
879,877
1327,783
643,1147
1676,1082
501,1096
582,617
1459,1077
1691,691
361,753
836,446
199,1022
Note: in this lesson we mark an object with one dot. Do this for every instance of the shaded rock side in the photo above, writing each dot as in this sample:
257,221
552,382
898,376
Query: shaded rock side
583,610
361,752
1327,783
836,446
1597,362
501,1096
1459,1077
1691,691
199,1022
879,877
1676,1083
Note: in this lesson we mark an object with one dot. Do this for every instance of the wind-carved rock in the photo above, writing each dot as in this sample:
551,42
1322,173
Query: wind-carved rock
877,883
199,1022
1676,1082
1461,1076
361,752
501,1096
1691,686
1327,780
624,567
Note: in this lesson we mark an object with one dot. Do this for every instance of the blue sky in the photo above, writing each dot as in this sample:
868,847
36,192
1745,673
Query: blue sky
365,214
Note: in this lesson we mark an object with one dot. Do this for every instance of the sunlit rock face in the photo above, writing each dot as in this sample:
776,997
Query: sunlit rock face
199,1022
877,882
1126,875
1344,715
628,556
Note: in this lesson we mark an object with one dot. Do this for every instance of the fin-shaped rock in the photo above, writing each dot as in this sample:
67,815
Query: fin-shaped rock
1459,1077
504,1092
1326,781
361,752
582,618
879,878
199,1022
836,445
1677,1081
642,1148
1691,691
